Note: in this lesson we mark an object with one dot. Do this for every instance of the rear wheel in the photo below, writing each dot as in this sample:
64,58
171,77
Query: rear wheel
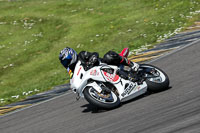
106,100
159,80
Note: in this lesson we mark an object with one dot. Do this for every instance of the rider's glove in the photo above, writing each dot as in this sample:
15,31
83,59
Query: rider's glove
134,66
93,59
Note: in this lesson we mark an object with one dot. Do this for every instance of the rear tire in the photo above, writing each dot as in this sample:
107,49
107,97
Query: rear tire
156,86
104,105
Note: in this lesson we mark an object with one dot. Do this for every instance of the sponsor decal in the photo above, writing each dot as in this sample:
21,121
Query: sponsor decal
94,72
79,70
129,89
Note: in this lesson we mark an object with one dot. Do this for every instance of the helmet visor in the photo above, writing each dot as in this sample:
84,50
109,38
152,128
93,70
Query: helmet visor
66,62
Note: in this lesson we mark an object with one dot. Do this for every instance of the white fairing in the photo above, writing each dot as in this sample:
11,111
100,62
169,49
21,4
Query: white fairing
125,88
81,77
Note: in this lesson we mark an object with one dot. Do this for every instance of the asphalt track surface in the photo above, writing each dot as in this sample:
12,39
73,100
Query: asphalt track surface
176,110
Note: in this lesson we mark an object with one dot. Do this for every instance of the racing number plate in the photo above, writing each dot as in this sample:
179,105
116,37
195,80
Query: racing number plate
128,89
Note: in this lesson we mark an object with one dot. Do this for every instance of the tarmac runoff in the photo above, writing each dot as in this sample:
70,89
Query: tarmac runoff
171,45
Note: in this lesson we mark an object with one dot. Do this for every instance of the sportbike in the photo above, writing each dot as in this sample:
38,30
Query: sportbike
106,86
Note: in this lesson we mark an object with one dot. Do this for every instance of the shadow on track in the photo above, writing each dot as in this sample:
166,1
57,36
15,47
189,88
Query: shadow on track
94,109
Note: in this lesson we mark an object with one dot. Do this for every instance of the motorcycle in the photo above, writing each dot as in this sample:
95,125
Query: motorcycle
106,86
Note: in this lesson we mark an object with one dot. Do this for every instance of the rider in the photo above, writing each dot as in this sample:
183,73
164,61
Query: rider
68,58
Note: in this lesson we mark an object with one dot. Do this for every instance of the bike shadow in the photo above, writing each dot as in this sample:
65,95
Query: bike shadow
93,109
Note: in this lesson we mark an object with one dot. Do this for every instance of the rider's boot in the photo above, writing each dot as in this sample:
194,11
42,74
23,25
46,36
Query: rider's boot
129,76
122,74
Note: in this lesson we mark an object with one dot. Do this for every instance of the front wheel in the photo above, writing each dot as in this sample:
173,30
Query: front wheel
107,100
158,81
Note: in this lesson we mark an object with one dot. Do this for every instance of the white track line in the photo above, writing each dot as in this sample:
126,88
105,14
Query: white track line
18,110
174,51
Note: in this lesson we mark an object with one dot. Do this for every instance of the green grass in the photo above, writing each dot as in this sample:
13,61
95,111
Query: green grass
32,33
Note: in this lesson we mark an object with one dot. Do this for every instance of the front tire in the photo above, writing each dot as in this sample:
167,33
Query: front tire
108,101
158,84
